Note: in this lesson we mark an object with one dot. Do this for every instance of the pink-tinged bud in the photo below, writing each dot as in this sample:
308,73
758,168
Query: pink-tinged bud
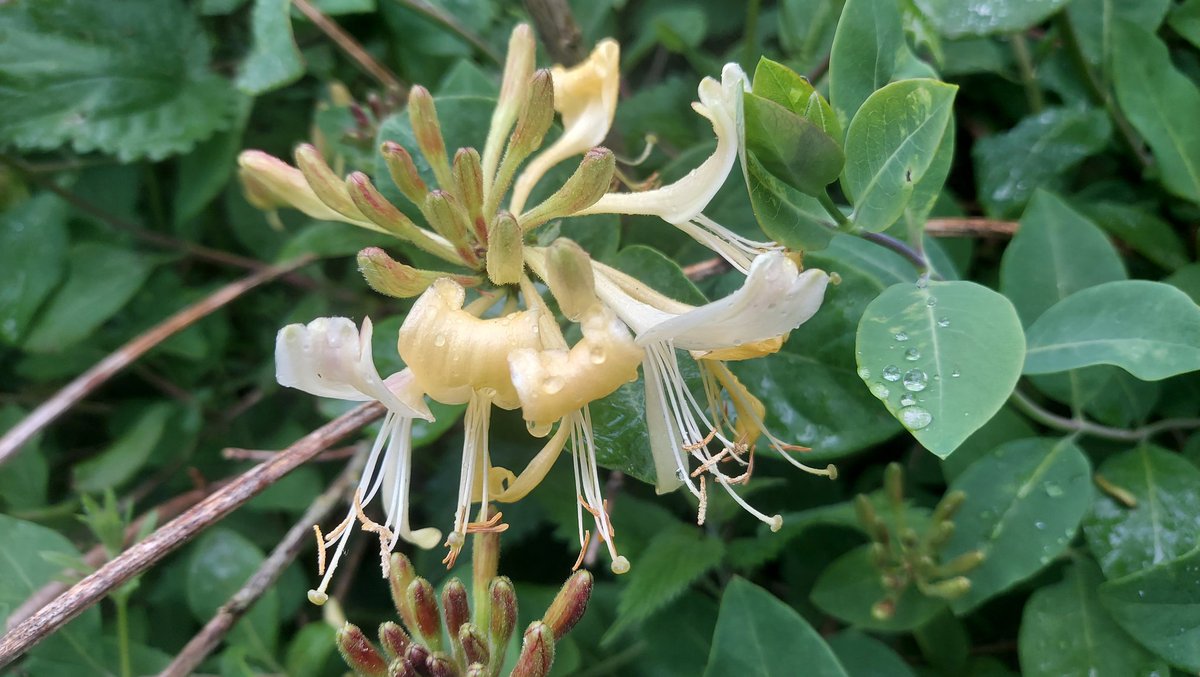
358,652
401,667
369,202
455,606
537,652
588,184
570,604
474,644
418,656
506,250
327,185
393,639
570,277
423,601
468,186
400,575
504,611
404,172
392,278
441,665
422,113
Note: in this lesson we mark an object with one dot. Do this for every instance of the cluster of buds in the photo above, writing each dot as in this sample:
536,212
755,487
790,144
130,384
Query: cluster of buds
482,334
478,631
905,557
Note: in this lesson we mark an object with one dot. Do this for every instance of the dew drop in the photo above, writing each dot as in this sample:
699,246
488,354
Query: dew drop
1039,525
538,429
864,373
922,282
879,390
597,354
931,301
915,380
439,340
907,400
915,418
901,336
891,373
944,322
912,354
955,374
1053,490
552,385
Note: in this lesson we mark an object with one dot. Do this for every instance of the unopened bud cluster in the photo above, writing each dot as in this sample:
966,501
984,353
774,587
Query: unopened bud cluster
905,557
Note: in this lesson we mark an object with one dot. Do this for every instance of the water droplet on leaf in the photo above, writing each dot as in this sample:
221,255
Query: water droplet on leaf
944,322
915,380
901,336
915,418
912,354
891,373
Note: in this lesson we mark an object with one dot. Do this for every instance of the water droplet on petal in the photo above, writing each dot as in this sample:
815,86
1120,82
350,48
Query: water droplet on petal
915,418
891,373
552,385
597,354
901,336
439,340
915,380
912,354
538,429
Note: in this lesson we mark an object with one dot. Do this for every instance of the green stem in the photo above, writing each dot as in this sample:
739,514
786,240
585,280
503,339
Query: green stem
122,603
1081,426
750,40
845,225
1033,92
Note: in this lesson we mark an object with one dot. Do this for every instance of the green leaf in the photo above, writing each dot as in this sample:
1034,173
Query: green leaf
1150,329
328,239
275,59
220,563
33,247
891,142
1065,631
849,587
1185,20
659,272
759,636
864,656
790,146
205,172
1012,165
1056,252
1160,527
786,215
130,79
1160,102
786,87
1160,607
1093,20
619,427
672,562
806,31
1024,503
101,278
863,57
309,652
943,358
23,478
121,461
986,17
1005,426
1187,280
1144,232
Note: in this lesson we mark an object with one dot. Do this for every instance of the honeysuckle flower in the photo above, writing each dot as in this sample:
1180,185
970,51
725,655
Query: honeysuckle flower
682,202
330,357
775,298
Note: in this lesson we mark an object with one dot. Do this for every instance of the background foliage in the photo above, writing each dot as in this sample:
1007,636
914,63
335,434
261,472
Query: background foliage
1050,372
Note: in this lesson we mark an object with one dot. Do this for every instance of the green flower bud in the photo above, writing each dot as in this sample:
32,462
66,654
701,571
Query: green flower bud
392,278
570,277
505,252
422,113
468,186
326,184
588,184
449,219
404,172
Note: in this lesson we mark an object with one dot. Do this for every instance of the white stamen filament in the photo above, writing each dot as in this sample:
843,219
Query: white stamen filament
475,460
739,251
587,486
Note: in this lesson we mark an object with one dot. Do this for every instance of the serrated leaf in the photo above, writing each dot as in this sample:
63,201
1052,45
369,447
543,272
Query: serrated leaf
1051,643
130,79
275,60
943,358
1160,607
673,561
891,142
1150,329
1024,502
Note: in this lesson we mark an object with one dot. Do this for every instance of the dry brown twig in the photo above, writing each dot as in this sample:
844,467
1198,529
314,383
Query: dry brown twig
558,30
174,534
351,47
85,383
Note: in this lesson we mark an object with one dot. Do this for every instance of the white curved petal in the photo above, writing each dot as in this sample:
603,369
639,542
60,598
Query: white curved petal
682,201
329,357
775,299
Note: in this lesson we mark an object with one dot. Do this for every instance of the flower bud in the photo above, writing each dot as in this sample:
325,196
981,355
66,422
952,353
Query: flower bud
949,589
961,564
393,639
570,277
400,575
326,184
468,186
441,665
418,657
449,219
422,113
358,652
949,505
476,670
940,533
518,69
883,610
535,118
404,172
401,667
270,183
569,604
455,606
537,652
504,614
392,278
428,623
587,185
893,483
505,252
473,643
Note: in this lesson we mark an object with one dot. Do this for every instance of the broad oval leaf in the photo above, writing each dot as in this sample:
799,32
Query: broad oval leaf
1150,329
955,18
1160,607
1024,502
863,57
220,563
759,636
943,358
786,87
33,243
849,587
864,655
1051,643
790,146
1160,527
891,142
786,215
275,60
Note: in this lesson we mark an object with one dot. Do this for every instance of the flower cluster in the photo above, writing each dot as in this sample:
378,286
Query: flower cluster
486,337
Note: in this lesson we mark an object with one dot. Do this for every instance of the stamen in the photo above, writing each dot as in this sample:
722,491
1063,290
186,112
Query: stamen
703,511
710,463
587,538
320,550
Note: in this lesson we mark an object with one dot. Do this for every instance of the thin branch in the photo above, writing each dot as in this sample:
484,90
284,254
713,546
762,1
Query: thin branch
167,539
970,227
98,555
122,357
351,47
900,247
452,24
239,454
558,29
1084,427
213,632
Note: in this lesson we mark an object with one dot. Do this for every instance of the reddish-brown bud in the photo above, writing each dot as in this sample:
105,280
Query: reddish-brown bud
474,644
401,667
428,623
441,665
394,639
504,611
359,653
455,606
418,656
400,575
537,652
570,604
404,172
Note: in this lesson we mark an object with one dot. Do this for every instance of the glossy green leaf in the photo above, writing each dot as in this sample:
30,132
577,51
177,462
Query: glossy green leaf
1187,280
1160,102
786,215
1160,527
1065,631
1024,502
863,57
849,587
1108,394
786,87
806,31
986,17
791,146
101,278
943,358
928,191
119,462
1005,426
891,142
33,250
137,72
1141,230
1093,21
1150,329
1012,165
1160,607
864,656
220,563
759,636
673,561
619,426
661,273
275,60
311,650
